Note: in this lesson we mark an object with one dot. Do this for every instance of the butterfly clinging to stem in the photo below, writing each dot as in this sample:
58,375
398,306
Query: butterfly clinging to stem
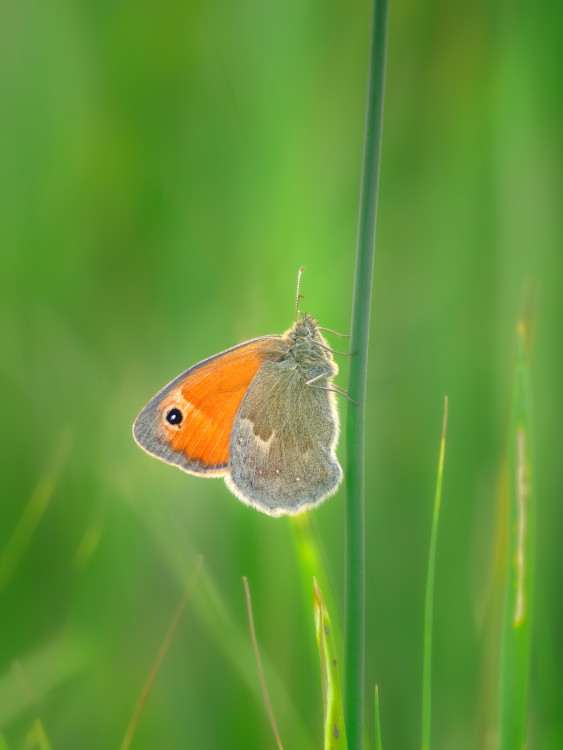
262,414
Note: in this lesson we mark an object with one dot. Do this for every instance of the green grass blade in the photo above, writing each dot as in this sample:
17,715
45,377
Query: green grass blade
378,745
3,744
37,737
334,731
355,541
33,511
515,639
149,682
429,604
210,608
313,564
263,685
31,679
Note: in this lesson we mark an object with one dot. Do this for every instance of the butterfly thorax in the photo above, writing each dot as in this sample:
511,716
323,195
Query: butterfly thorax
308,349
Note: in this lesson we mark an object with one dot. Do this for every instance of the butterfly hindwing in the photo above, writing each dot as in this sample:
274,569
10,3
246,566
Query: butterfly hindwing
189,422
282,456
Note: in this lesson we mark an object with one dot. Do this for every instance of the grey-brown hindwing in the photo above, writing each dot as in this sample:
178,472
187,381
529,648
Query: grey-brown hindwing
282,449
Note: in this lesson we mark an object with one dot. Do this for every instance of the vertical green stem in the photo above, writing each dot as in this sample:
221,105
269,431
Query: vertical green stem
515,638
378,745
355,541
429,604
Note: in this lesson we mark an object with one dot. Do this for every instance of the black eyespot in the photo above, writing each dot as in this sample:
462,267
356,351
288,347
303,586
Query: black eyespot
175,417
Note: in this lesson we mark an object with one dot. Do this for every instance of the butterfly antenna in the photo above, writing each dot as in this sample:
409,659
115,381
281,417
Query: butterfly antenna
299,296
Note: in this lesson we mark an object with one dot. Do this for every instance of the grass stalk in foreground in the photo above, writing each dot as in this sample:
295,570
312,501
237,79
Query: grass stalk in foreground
334,730
259,664
355,541
210,607
313,564
515,636
37,737
34,510
378,745
159,659
429,604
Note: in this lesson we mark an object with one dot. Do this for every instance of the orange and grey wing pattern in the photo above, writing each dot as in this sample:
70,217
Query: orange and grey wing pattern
188,423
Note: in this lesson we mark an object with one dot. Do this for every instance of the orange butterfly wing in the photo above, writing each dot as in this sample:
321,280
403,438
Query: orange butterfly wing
188,423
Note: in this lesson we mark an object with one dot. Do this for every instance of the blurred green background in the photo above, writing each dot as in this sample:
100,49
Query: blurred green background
165,170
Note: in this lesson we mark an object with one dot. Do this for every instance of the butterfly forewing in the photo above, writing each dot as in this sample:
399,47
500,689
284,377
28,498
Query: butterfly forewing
189,422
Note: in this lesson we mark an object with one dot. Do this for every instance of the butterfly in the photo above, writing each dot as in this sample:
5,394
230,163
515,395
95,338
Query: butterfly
262,414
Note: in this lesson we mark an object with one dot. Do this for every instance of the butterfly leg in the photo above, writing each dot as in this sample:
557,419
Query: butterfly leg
333,351
341,335
336,388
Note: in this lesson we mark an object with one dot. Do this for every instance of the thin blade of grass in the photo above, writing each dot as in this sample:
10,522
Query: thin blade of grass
334,729
3,743
209,605
429,604
23,683
159,659
378,745
313,564
37,737
259,664
88,544
515,637
29,679
359,338
33,511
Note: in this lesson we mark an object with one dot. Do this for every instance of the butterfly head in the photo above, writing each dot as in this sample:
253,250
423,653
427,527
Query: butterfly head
308,346
305,329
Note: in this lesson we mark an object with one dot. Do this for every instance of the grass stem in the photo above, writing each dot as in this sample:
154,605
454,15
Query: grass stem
515,639
378,745
159,659
355,540
263,685
429,604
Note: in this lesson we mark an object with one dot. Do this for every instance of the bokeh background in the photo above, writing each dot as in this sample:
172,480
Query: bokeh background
165,170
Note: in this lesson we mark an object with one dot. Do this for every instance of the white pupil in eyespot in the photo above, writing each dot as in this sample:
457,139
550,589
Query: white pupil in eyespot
174,417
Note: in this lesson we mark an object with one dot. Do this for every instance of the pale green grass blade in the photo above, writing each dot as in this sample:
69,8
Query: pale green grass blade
334,731
259,664
3,745
313,564
429,604
33,512
88,544
127,740
28,680
515,639
209,607
378,745
37,737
